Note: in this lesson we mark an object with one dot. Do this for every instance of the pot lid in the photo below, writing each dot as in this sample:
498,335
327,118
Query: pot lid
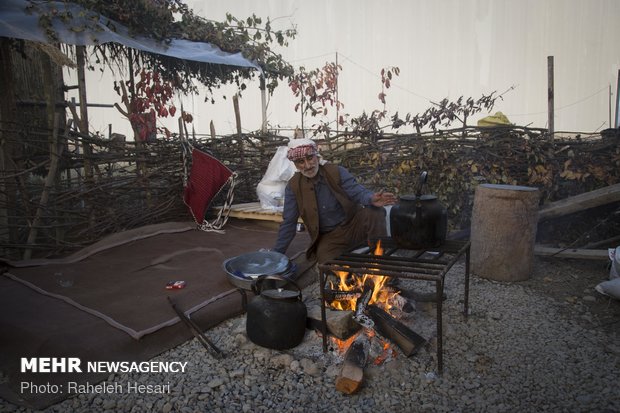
280,294
258,263
428,197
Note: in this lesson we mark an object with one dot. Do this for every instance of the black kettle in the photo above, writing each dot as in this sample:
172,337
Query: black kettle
276,317
419,221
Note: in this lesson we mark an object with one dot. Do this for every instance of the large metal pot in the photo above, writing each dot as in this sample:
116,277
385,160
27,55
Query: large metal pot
419,221
276,318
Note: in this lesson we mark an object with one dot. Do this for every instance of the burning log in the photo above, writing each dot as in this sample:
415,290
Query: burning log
406,339
362,304
351,376
404,304
338,295
364,299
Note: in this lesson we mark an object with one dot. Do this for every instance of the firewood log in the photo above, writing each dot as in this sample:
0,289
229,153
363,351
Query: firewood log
406,339
351,377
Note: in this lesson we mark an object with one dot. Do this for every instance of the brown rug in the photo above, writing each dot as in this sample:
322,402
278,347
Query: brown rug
108,302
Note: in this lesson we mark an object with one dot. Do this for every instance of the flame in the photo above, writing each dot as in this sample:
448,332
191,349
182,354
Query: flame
381,297
343,345
350,282
387,350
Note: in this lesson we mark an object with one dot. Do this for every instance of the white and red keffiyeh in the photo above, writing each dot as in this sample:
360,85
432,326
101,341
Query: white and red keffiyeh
300,148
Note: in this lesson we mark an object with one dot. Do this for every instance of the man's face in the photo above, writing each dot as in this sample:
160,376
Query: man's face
308,165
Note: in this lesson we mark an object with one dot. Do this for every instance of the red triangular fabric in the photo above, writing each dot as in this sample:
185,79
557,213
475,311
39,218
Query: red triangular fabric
207,177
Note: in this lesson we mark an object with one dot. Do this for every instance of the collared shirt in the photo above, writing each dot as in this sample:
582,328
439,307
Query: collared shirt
331,213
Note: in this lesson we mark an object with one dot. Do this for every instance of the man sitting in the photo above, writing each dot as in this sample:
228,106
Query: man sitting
339,212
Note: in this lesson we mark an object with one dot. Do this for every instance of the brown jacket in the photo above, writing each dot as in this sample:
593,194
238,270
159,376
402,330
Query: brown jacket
303,188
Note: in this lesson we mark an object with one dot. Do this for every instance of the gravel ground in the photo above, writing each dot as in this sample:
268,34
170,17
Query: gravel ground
547,344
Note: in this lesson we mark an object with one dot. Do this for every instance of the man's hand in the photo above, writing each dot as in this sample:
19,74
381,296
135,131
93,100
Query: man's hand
381,198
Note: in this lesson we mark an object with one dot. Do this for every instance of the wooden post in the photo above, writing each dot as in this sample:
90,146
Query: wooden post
337,101
238,122
580,202
503,231
182,136
212,130
83,124
263,101
49,182
9,147
550,96
609,105
617,120
237,114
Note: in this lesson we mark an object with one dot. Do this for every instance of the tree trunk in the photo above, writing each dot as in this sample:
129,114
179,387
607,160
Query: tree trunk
503,231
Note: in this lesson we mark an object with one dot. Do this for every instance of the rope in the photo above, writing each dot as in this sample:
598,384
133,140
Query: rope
222,217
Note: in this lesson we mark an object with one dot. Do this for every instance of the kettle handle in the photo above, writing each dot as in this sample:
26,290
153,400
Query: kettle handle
421,182
259,281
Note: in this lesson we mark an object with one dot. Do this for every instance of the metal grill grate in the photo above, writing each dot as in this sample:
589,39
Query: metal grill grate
425,264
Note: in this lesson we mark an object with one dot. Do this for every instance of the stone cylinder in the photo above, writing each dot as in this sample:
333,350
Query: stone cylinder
503,231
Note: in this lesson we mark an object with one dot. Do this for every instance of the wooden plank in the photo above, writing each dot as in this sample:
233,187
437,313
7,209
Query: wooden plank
571,253
253,210
580,202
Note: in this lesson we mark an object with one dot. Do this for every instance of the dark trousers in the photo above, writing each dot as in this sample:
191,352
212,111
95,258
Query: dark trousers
368,223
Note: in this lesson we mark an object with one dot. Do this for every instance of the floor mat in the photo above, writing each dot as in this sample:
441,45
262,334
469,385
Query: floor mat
109,301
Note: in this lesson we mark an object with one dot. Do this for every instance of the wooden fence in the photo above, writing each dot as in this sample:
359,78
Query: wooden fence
50,204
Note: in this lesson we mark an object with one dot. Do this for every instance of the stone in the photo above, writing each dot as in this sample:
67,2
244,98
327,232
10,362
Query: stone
519,352
216,382
309,367
340,324
282,360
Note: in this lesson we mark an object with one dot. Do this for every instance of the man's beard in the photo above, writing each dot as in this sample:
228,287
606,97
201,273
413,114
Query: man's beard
310,173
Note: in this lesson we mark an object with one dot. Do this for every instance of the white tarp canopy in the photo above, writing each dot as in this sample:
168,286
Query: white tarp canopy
17,22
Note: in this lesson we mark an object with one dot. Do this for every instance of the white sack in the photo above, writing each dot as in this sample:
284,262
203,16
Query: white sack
614,256
270,189
612,287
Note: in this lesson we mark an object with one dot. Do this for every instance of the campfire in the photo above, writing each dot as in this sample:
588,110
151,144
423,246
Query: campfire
365,283
351,287
370,298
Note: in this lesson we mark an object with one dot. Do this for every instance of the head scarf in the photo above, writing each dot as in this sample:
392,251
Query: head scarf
300,148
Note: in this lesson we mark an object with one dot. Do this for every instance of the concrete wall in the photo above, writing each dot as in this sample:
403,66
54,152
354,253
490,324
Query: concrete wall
444,48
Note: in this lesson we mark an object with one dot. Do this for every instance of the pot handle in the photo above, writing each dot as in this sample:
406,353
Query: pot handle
257,284
421,182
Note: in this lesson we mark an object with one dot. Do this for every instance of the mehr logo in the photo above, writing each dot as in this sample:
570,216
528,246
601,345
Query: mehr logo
51,365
